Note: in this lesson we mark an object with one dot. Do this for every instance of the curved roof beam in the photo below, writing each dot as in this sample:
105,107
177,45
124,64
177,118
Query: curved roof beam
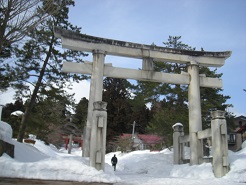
82,42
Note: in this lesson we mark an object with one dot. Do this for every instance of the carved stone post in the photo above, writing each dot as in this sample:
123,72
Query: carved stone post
177,149
219,143
98,136
96,88
195,118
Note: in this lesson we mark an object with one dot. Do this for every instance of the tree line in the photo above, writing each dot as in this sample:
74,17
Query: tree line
31,60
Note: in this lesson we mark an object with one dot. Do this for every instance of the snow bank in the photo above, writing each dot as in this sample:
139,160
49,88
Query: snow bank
203,171
54,169
27,152
41,161
237,165
244,144
5,132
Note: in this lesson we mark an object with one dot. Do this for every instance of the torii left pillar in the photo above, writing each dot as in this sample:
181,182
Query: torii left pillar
96,88
98,135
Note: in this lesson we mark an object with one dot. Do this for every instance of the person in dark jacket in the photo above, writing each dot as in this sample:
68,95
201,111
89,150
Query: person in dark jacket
114,161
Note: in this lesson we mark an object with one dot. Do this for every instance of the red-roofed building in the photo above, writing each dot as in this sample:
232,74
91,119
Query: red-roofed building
145,141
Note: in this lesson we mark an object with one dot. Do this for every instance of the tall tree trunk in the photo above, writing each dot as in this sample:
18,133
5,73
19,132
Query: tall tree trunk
30,104
3,43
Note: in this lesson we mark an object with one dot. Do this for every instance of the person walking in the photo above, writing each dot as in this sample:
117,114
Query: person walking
114,161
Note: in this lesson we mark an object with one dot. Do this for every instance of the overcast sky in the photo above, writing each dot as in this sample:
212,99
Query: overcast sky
214,25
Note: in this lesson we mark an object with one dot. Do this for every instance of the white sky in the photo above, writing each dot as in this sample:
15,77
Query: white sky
213,25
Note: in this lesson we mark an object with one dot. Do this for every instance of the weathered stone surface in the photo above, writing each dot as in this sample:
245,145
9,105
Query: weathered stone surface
6,148
88,43
98,135
143,75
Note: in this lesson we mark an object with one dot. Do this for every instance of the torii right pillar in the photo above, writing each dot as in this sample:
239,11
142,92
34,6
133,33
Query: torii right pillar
195,118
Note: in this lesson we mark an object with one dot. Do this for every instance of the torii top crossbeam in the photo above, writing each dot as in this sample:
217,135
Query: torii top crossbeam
82,42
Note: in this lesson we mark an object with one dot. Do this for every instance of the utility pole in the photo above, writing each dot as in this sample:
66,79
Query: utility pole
1,108
133,129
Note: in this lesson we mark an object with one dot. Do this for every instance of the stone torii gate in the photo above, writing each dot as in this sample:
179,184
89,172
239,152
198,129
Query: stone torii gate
100,47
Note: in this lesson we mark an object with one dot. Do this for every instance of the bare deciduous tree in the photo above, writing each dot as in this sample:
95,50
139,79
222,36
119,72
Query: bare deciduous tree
17,18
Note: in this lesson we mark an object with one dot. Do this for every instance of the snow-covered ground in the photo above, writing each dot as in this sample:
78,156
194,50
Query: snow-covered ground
40,161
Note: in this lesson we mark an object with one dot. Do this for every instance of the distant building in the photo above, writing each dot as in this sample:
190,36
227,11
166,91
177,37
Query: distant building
145,141
238,136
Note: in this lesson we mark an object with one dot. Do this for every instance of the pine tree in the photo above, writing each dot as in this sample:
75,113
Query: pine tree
49,114
80,116
170,102
140,114
117,96
40,60
13,120
17,20
164,117
123,109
